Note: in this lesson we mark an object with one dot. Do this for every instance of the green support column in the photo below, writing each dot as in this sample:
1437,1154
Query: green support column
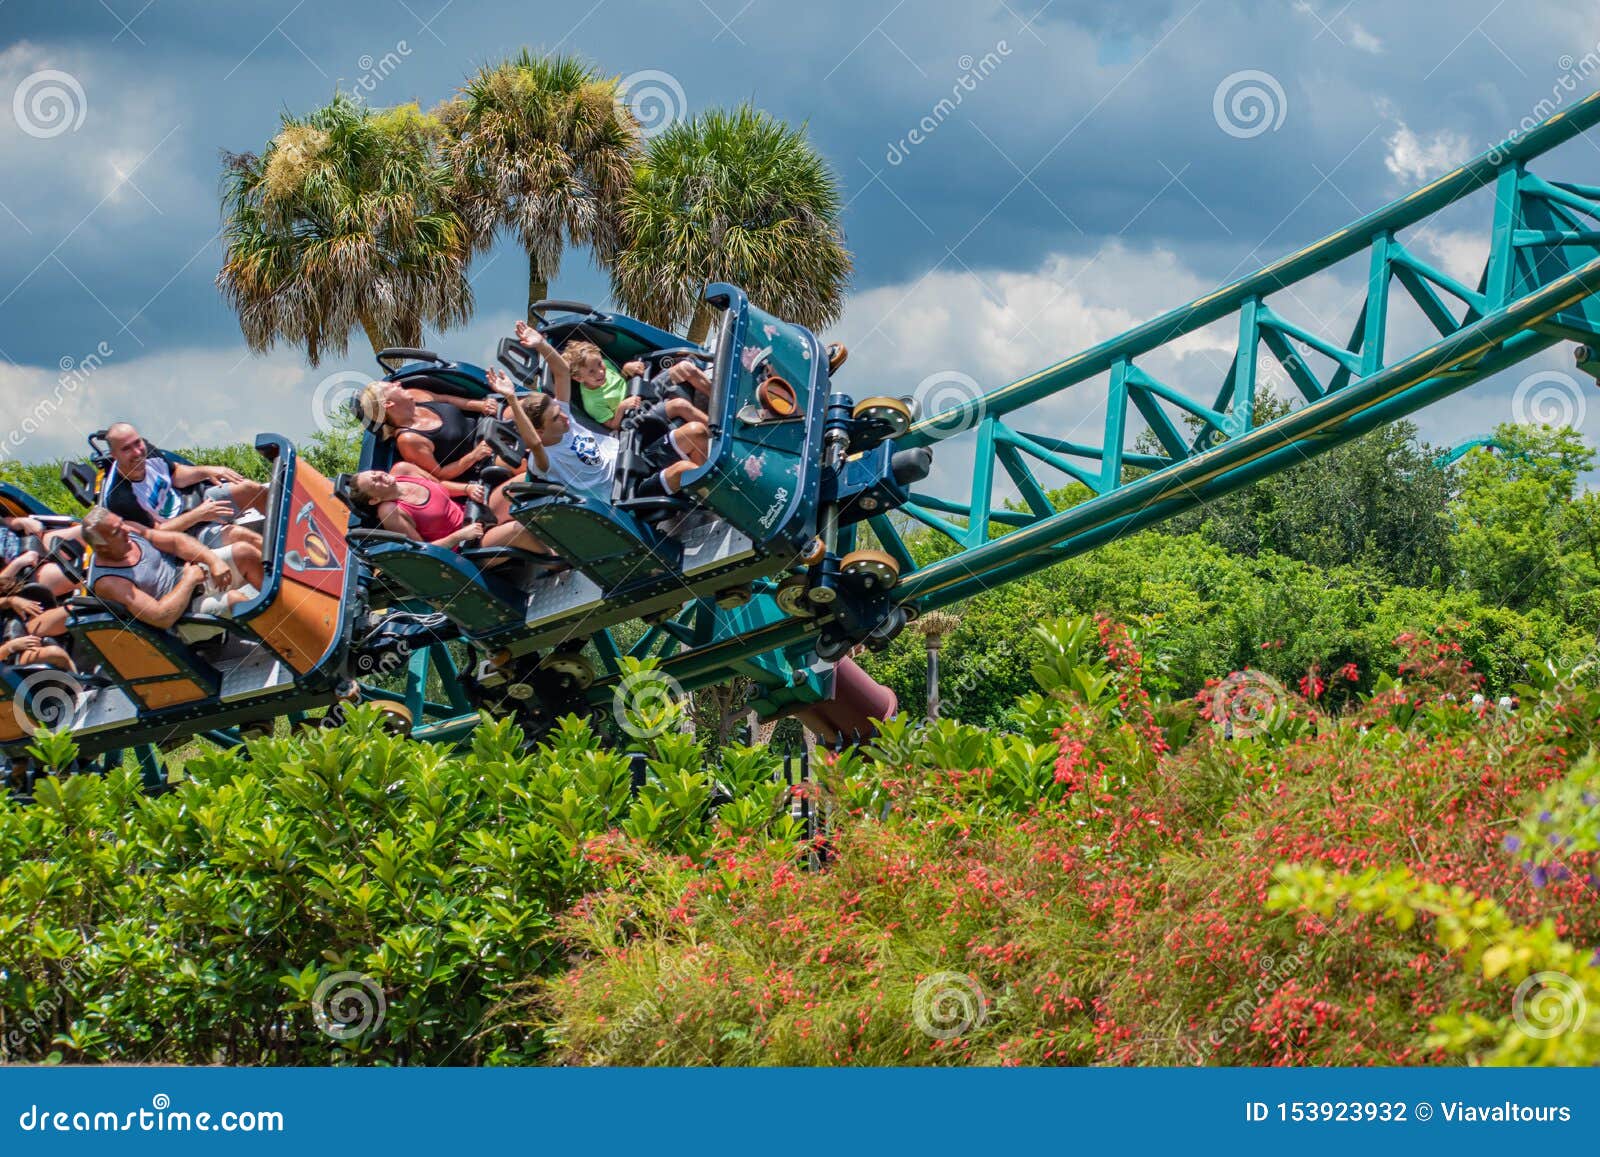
1116,427
1244,374
1377,312
982,485
1500,275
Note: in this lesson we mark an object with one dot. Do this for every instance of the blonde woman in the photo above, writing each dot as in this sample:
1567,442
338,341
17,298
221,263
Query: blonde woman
435,433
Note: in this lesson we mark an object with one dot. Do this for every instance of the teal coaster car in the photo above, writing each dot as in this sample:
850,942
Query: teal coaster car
792,467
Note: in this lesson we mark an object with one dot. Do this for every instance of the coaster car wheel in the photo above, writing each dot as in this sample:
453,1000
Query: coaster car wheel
831,649
874,569
397,719
891,414
791,597
571,666
733,597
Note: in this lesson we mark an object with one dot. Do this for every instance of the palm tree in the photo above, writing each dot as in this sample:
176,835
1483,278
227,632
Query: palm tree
544,147
345,220
736,196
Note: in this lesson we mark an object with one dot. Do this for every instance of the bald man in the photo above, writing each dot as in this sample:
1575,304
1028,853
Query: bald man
143,487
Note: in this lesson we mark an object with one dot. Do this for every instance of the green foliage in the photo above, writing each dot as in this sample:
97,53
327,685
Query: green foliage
346,219
336,450
1374,502
732,195
1523,535
200,926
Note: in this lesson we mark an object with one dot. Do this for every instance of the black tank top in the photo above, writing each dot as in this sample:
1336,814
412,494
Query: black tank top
456,436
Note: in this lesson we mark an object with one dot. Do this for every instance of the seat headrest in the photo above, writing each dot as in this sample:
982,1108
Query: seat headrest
344,490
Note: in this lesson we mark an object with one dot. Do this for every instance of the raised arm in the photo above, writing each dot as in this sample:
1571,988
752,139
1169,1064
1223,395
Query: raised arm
501,385
560,372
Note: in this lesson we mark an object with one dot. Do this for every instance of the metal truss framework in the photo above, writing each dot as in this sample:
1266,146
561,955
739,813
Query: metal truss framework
1536,289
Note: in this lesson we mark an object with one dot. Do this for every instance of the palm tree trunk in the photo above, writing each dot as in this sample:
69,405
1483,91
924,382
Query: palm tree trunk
538,287
701,325
374,335
406,332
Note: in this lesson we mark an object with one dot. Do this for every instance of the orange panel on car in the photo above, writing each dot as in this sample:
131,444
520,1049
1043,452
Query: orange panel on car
300,624
131,655
10,726
167,693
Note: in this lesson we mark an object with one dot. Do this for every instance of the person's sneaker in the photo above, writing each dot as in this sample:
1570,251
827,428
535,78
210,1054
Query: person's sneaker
217,606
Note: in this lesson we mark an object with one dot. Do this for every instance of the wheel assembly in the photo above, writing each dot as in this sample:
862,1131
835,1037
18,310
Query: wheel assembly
397,718
891,413
873,569
791,597
733,597
572,666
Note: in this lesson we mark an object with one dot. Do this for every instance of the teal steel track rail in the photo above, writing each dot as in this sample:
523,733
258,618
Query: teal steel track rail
1537,287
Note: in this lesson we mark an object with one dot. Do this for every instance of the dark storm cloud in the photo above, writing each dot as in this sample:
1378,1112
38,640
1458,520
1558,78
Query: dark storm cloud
1087,121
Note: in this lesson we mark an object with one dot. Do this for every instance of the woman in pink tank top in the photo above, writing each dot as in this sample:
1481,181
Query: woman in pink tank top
423,508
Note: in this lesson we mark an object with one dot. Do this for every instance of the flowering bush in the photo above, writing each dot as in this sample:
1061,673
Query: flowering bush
1095,887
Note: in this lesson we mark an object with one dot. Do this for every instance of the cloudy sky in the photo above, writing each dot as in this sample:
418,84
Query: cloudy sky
1091,165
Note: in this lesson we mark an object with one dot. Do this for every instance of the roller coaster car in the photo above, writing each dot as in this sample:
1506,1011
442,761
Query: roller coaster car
788,459
282,651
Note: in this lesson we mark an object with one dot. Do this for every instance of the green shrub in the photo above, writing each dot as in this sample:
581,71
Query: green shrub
283,895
